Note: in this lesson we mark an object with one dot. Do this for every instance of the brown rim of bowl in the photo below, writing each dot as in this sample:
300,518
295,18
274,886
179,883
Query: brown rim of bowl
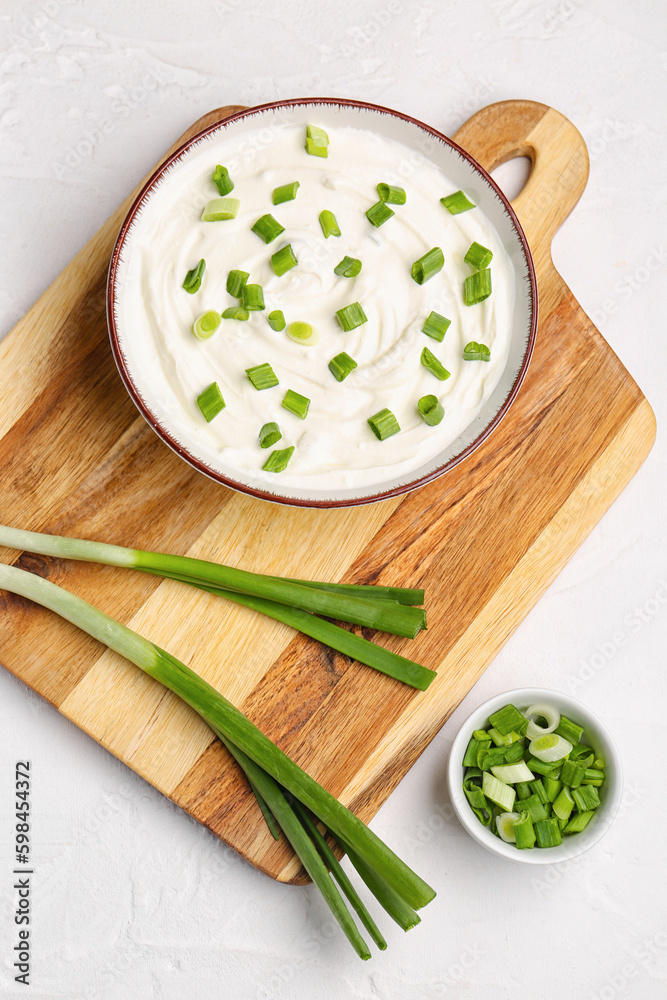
249,490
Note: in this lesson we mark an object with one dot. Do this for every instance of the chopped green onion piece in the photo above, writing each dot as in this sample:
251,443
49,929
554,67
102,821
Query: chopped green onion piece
476,797
579,822
341,366
572,773
503,795
235,312
296,403
550,747
477,287
317,141
593,776
537,788
535,807
193,278
570,730
585,798
277,460
286,192
303,333
267,228
349,267
482,750
551,769
513,752
523,790
507,719
253,298
328,223
383,424
480,734
478,256
222,180
553,788
540,710
269,434
524,833
351,316
206,324
505,826
582,754
429,360
598,764
493,757
379,213
511,773
236,281
392,195
431,410
457,202
210,402
428,265
476,352
470,756
219,209
277,319
547,832
563,804
262,376
283,260
503,741
436,326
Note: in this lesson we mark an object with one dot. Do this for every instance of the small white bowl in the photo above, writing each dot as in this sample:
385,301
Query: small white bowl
595,735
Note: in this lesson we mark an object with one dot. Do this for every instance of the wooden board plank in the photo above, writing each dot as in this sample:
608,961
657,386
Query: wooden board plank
485,540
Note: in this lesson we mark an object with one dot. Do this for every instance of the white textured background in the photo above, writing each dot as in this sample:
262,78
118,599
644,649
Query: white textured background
133,899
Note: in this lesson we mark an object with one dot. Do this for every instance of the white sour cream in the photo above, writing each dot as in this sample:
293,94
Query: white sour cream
334,446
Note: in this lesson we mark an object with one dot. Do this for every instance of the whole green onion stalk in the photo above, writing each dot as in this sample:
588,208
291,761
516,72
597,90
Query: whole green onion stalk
297,603
273,773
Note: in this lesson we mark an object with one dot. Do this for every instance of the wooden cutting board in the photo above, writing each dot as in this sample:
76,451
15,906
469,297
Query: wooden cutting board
485,540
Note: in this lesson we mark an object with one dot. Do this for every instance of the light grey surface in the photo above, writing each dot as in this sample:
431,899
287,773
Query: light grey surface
132,898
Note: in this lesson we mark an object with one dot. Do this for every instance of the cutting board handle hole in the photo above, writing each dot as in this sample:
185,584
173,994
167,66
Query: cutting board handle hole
511,176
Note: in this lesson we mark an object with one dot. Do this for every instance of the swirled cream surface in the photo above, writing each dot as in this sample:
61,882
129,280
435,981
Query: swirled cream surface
334,446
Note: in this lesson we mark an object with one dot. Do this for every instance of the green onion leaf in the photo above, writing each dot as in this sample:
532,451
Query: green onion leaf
579,822
286,192
478,256
269,434
210,402
303,333
222,180
267,228
206,324
236,312
429,360
476,352
283,260
379,213
277,319
341,366
585,798
431,410
383,424
194,277
477,287
572,773
436,326
296,403
428,265
547,832
535,807
349,267
236,281
262,376
278,460
507,719
570,730
457,202
219,209
351,316
253,298
328,223
317,141
392,195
